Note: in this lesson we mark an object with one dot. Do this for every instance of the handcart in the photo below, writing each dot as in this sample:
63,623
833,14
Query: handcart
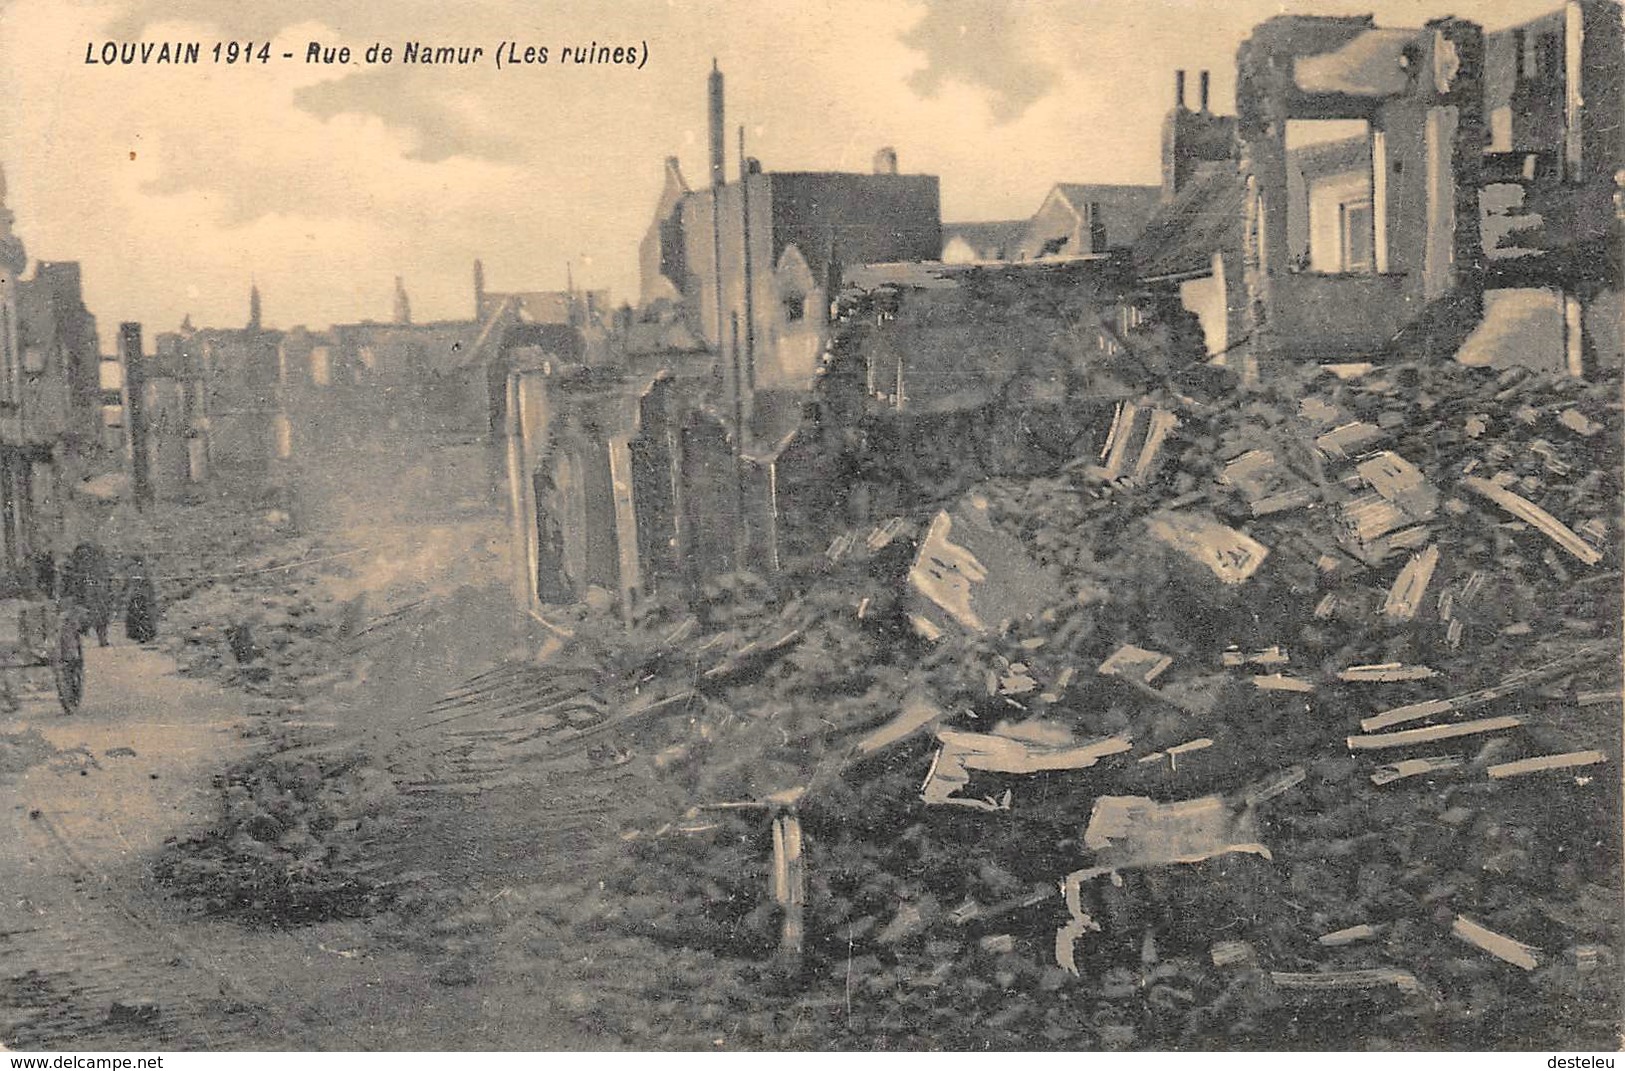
37,636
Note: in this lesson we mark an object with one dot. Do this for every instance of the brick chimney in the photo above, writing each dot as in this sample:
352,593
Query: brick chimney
1191,138
886,161
719,174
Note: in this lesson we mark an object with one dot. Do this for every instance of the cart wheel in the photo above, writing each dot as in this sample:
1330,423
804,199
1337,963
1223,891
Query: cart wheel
69,669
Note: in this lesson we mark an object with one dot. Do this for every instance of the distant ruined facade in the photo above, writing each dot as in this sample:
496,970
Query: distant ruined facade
807,347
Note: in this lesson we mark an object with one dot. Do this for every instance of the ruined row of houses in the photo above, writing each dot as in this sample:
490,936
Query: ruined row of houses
51,433
815,351
241,407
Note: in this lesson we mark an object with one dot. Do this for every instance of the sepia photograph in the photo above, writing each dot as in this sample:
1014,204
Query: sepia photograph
947,526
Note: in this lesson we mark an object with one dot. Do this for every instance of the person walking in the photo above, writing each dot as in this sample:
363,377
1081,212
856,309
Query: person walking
140,603
44,574
87,583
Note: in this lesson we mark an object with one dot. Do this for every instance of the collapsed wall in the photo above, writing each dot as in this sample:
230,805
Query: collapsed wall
938,379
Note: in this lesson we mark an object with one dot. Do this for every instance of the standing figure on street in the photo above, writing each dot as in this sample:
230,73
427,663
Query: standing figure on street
87,583
44,570
140,603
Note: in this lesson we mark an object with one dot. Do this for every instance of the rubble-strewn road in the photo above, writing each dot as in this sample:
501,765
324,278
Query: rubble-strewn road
86,954
95,953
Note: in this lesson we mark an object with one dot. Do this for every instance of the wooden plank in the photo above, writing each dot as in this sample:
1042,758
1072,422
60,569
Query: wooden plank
1407,737
1405,597
1399,771
1280,682
1511,684
1331,981
1386,672
1541,763
1498,945
1525,510
1363,932
917,713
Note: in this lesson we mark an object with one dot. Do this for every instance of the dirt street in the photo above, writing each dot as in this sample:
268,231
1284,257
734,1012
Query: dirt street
86,954
97,954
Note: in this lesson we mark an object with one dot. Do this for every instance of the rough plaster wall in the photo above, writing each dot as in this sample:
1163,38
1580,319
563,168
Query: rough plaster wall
1337,317
1604,325
796,349
710,492
1366,66
1206,297
1404,126
1521,328
603,548
655,494
1438,270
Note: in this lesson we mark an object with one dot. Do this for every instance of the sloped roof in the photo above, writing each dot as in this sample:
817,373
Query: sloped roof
505,329
1331,157
1002,235
1206,217
1079,194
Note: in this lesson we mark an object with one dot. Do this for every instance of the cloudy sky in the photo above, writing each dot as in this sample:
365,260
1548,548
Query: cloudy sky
174,186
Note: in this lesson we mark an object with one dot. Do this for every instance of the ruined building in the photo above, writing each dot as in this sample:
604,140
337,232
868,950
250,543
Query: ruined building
61,353
238,412
372,406
658,468
802,361
1549,211
1080,219
1347,244
50,411
1189,256
25,455
1427,190
175,393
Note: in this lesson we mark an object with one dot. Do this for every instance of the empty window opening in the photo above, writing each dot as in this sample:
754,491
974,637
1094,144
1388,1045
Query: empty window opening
1331,204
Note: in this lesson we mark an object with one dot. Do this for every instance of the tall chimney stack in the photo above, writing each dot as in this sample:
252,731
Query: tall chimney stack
1204,92
719,174
1179,91
135,411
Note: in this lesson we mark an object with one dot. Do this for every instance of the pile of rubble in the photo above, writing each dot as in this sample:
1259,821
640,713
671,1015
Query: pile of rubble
23,749
290,843
1299,699
270,629
1285,719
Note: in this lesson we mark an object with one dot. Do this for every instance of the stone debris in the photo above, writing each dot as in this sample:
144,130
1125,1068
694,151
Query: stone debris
971,574
1296,711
